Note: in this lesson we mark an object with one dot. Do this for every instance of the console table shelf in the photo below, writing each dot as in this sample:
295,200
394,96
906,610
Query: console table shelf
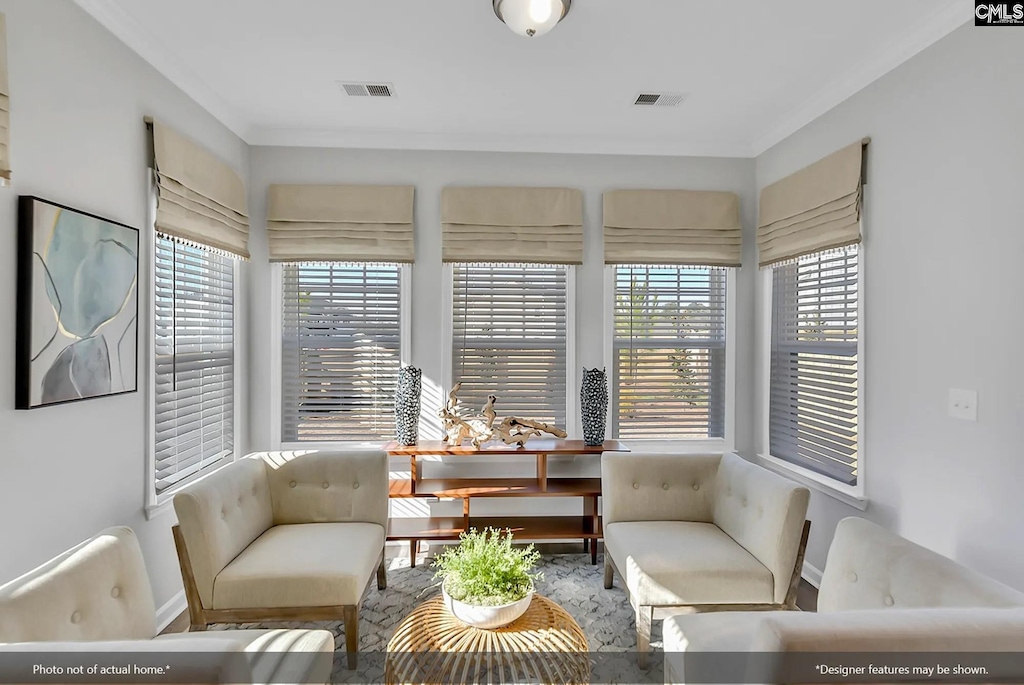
534,527
495,487
586,527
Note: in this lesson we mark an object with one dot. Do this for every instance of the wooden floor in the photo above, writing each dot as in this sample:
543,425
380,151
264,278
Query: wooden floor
806,595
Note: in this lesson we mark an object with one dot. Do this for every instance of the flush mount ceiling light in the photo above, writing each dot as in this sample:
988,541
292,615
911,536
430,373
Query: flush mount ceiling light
531,18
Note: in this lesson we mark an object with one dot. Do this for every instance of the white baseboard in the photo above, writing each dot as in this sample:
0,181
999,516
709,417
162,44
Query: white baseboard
170,610
811,574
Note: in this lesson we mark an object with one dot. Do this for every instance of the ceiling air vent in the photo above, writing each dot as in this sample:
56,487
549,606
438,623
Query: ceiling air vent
373,90
658,99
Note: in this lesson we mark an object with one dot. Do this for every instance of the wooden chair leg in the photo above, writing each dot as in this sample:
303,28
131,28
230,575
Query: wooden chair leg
196,618
644,619
413,549
351,619
609,572
798,568
382,574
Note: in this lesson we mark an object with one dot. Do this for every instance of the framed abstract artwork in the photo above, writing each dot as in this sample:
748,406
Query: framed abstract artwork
78,305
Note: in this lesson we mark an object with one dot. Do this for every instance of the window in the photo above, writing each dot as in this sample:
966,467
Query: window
340,352
194,361
814,372
669,352
509,324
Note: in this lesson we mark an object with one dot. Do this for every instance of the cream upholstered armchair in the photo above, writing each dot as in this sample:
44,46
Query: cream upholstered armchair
880,594
96,599
285,536
700,533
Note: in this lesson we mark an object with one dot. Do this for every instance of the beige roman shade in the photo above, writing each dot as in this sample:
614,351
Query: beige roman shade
815,209
350,223
5,107
201,199
694,227
536,225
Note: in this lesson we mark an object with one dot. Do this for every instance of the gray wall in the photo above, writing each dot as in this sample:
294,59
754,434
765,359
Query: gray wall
78,96
431,171
944,236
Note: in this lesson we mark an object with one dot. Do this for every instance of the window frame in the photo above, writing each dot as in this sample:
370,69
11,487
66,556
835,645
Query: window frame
680,445
574,426
853,495
156,504
276,365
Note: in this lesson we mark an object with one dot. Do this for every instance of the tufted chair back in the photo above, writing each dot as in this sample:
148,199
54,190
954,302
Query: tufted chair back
762,511
669,487
98,590
869,567
328,487
220,516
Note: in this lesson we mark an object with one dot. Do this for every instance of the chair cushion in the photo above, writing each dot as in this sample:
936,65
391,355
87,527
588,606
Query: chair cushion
695,643
220,515
97,590
328,487
274,656
869,567
302,565
669,563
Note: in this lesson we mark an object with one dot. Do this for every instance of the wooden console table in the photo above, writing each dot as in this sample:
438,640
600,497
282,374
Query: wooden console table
586,527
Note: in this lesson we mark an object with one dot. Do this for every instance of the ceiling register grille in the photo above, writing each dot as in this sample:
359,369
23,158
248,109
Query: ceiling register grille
658,99
376,90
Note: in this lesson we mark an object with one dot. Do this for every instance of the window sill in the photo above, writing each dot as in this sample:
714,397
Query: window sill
682,446
164,502
845,494
678,446
160,508
327,445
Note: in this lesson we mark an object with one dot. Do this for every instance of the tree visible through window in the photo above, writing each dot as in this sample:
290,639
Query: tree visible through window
340,352
669,352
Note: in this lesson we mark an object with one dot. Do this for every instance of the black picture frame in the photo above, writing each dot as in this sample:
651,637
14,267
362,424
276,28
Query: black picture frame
88,263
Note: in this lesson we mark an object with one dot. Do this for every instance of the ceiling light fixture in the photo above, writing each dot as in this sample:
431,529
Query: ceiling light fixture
531,18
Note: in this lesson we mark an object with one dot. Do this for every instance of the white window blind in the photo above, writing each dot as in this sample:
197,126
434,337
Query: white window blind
194,322
509,338
814,374
669,366
341,351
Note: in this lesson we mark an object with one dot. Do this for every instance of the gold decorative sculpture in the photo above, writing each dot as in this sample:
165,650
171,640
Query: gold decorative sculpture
482,427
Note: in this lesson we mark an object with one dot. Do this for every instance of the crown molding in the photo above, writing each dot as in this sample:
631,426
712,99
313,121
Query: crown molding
947,19
110,15
469,142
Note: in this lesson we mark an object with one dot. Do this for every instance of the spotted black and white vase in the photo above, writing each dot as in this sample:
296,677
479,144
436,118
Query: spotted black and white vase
407,405
594,405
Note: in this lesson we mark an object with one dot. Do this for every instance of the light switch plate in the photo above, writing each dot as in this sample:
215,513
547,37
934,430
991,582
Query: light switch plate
963,404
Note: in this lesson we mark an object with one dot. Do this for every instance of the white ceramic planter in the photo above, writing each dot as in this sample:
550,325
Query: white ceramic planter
487,618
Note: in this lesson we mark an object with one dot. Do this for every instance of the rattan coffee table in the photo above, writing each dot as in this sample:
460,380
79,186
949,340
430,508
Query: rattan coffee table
544,645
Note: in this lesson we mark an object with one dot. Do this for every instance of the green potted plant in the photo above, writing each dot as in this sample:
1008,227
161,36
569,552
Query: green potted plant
485,581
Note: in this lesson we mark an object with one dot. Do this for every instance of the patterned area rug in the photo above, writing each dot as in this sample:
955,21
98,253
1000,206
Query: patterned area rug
569,579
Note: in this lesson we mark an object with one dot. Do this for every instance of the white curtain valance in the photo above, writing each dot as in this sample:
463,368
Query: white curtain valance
200,198
340,223
696,227
815,209
536,225
5,106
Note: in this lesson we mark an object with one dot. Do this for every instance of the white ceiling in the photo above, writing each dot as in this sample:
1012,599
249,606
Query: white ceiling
754,70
